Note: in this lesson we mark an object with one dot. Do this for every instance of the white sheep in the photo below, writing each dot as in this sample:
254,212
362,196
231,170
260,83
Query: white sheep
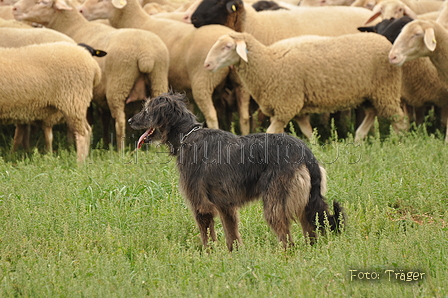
325,2
17,37
421,38
13,24
271,26
6,12
188,48
41,82
419,7
442,18
136,61
395,9
292,78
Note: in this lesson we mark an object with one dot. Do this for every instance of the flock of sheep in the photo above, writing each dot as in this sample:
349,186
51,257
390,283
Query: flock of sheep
293,60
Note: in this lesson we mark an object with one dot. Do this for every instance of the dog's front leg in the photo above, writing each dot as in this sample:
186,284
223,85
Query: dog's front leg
229,218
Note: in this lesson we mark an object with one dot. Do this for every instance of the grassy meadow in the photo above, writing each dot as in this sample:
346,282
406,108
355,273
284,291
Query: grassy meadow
118,227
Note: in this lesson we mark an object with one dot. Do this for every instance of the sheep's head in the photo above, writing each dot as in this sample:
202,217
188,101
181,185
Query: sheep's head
227,51
96,9
417,39
215,12
39,12
391,9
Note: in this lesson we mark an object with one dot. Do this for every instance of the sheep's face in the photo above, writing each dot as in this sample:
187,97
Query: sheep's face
96,9
40,11
222,54
214,12
415,40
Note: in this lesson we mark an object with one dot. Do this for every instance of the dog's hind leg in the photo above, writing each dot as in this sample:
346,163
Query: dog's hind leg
206,225
229,219
276,216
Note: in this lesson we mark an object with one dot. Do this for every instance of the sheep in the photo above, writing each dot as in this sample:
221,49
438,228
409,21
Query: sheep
421,38
41,82
13,24
421,83
136,59
320,83
442,18
396,9
267,5
7,2
325,2
18,37
241,17
6,12
153,8
271,26
188,48
419,7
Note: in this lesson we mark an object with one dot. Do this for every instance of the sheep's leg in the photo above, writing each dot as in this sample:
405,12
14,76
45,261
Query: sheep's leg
120,128
159,83
207,108
394,112
305,125
203,97
276,126
48,134
116,107
444,120
243,98
229,218
243,102
21,137
366,124
83,141
82,131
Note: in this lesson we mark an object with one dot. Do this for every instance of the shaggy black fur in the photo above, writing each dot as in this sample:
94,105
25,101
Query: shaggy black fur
220,172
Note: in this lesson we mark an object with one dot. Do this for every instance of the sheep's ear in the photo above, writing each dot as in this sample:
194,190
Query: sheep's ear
62,5
231,7
430,39
409,12
119,3
241,49
376,13
367,29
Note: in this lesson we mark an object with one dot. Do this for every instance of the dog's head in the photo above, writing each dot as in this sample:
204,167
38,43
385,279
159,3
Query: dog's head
162,117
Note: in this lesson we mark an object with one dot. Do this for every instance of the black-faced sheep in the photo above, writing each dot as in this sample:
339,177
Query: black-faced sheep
136,65
187,46
320,83
41,82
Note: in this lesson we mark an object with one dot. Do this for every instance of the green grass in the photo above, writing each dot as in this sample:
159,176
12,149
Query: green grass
118,227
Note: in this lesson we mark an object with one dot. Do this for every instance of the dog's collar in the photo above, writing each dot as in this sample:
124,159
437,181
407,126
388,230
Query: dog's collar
197,127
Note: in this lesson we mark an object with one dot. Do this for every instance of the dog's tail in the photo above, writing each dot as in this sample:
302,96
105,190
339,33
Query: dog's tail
317,206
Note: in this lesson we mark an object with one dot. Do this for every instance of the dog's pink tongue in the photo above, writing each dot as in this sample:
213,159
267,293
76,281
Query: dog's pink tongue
141,140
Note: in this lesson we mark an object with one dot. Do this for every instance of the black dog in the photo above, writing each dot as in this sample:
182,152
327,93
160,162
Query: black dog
220,172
